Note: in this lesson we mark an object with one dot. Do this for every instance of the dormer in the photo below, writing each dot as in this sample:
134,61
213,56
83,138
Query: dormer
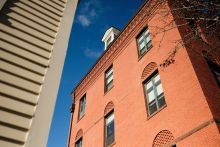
109,36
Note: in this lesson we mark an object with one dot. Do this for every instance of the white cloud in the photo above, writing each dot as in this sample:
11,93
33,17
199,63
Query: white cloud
91,53
89,12
84,20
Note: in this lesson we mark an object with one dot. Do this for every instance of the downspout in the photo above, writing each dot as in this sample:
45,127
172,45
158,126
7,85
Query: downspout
71,120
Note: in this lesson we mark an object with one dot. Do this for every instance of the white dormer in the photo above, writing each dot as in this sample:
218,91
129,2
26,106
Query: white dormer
109,36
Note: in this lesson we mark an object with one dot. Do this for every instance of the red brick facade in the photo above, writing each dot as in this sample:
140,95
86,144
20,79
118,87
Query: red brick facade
191,115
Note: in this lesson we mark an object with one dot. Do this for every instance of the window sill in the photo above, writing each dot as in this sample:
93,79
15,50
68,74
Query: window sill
150,116
111,145
141,56
79,118
108,90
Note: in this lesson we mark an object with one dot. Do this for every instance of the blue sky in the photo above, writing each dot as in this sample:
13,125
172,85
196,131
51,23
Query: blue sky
92,19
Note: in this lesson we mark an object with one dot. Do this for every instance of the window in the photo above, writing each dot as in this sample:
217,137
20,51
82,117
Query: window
79,143
215,71
82,105
144,42
109,130
109,40
154,94
109,78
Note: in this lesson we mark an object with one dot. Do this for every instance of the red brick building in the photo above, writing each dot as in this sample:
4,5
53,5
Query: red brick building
128,100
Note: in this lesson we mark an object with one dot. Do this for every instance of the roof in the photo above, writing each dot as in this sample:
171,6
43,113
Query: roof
108,31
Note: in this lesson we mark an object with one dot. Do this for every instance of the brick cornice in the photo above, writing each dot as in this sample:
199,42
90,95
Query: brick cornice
144,13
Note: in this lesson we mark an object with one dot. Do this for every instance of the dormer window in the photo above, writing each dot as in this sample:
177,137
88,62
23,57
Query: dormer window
109,36
109,40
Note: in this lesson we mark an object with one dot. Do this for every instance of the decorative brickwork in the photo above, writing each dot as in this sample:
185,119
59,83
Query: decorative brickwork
151,67
79,134
163,138
109,107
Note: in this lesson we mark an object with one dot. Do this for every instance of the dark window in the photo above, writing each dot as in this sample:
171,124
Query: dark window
109,79
82,105
79,143
215,68
109,130
154,94
144,42
109,40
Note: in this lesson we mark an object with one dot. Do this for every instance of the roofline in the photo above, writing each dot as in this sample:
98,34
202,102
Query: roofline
108,29
137,11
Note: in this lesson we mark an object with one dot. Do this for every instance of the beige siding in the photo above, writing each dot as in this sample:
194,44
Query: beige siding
28,30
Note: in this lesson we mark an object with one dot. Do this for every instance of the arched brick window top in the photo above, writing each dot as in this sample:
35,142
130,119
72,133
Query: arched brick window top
148,70
79,134
163,138
109,107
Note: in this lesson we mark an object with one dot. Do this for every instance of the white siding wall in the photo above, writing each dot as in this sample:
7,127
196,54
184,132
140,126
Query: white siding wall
33,38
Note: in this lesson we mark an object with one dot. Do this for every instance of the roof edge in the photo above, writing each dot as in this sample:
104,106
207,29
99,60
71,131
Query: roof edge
137,11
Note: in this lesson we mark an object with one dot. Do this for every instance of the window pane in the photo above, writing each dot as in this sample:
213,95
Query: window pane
109,40
82,106
159,89
142,51
149,85
161,101
156,78
149,44
79,143
151,96
109,79
110,118
140,39
109,122
146,32
152,107
109,85
148,38
110,133
110,71
141,45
